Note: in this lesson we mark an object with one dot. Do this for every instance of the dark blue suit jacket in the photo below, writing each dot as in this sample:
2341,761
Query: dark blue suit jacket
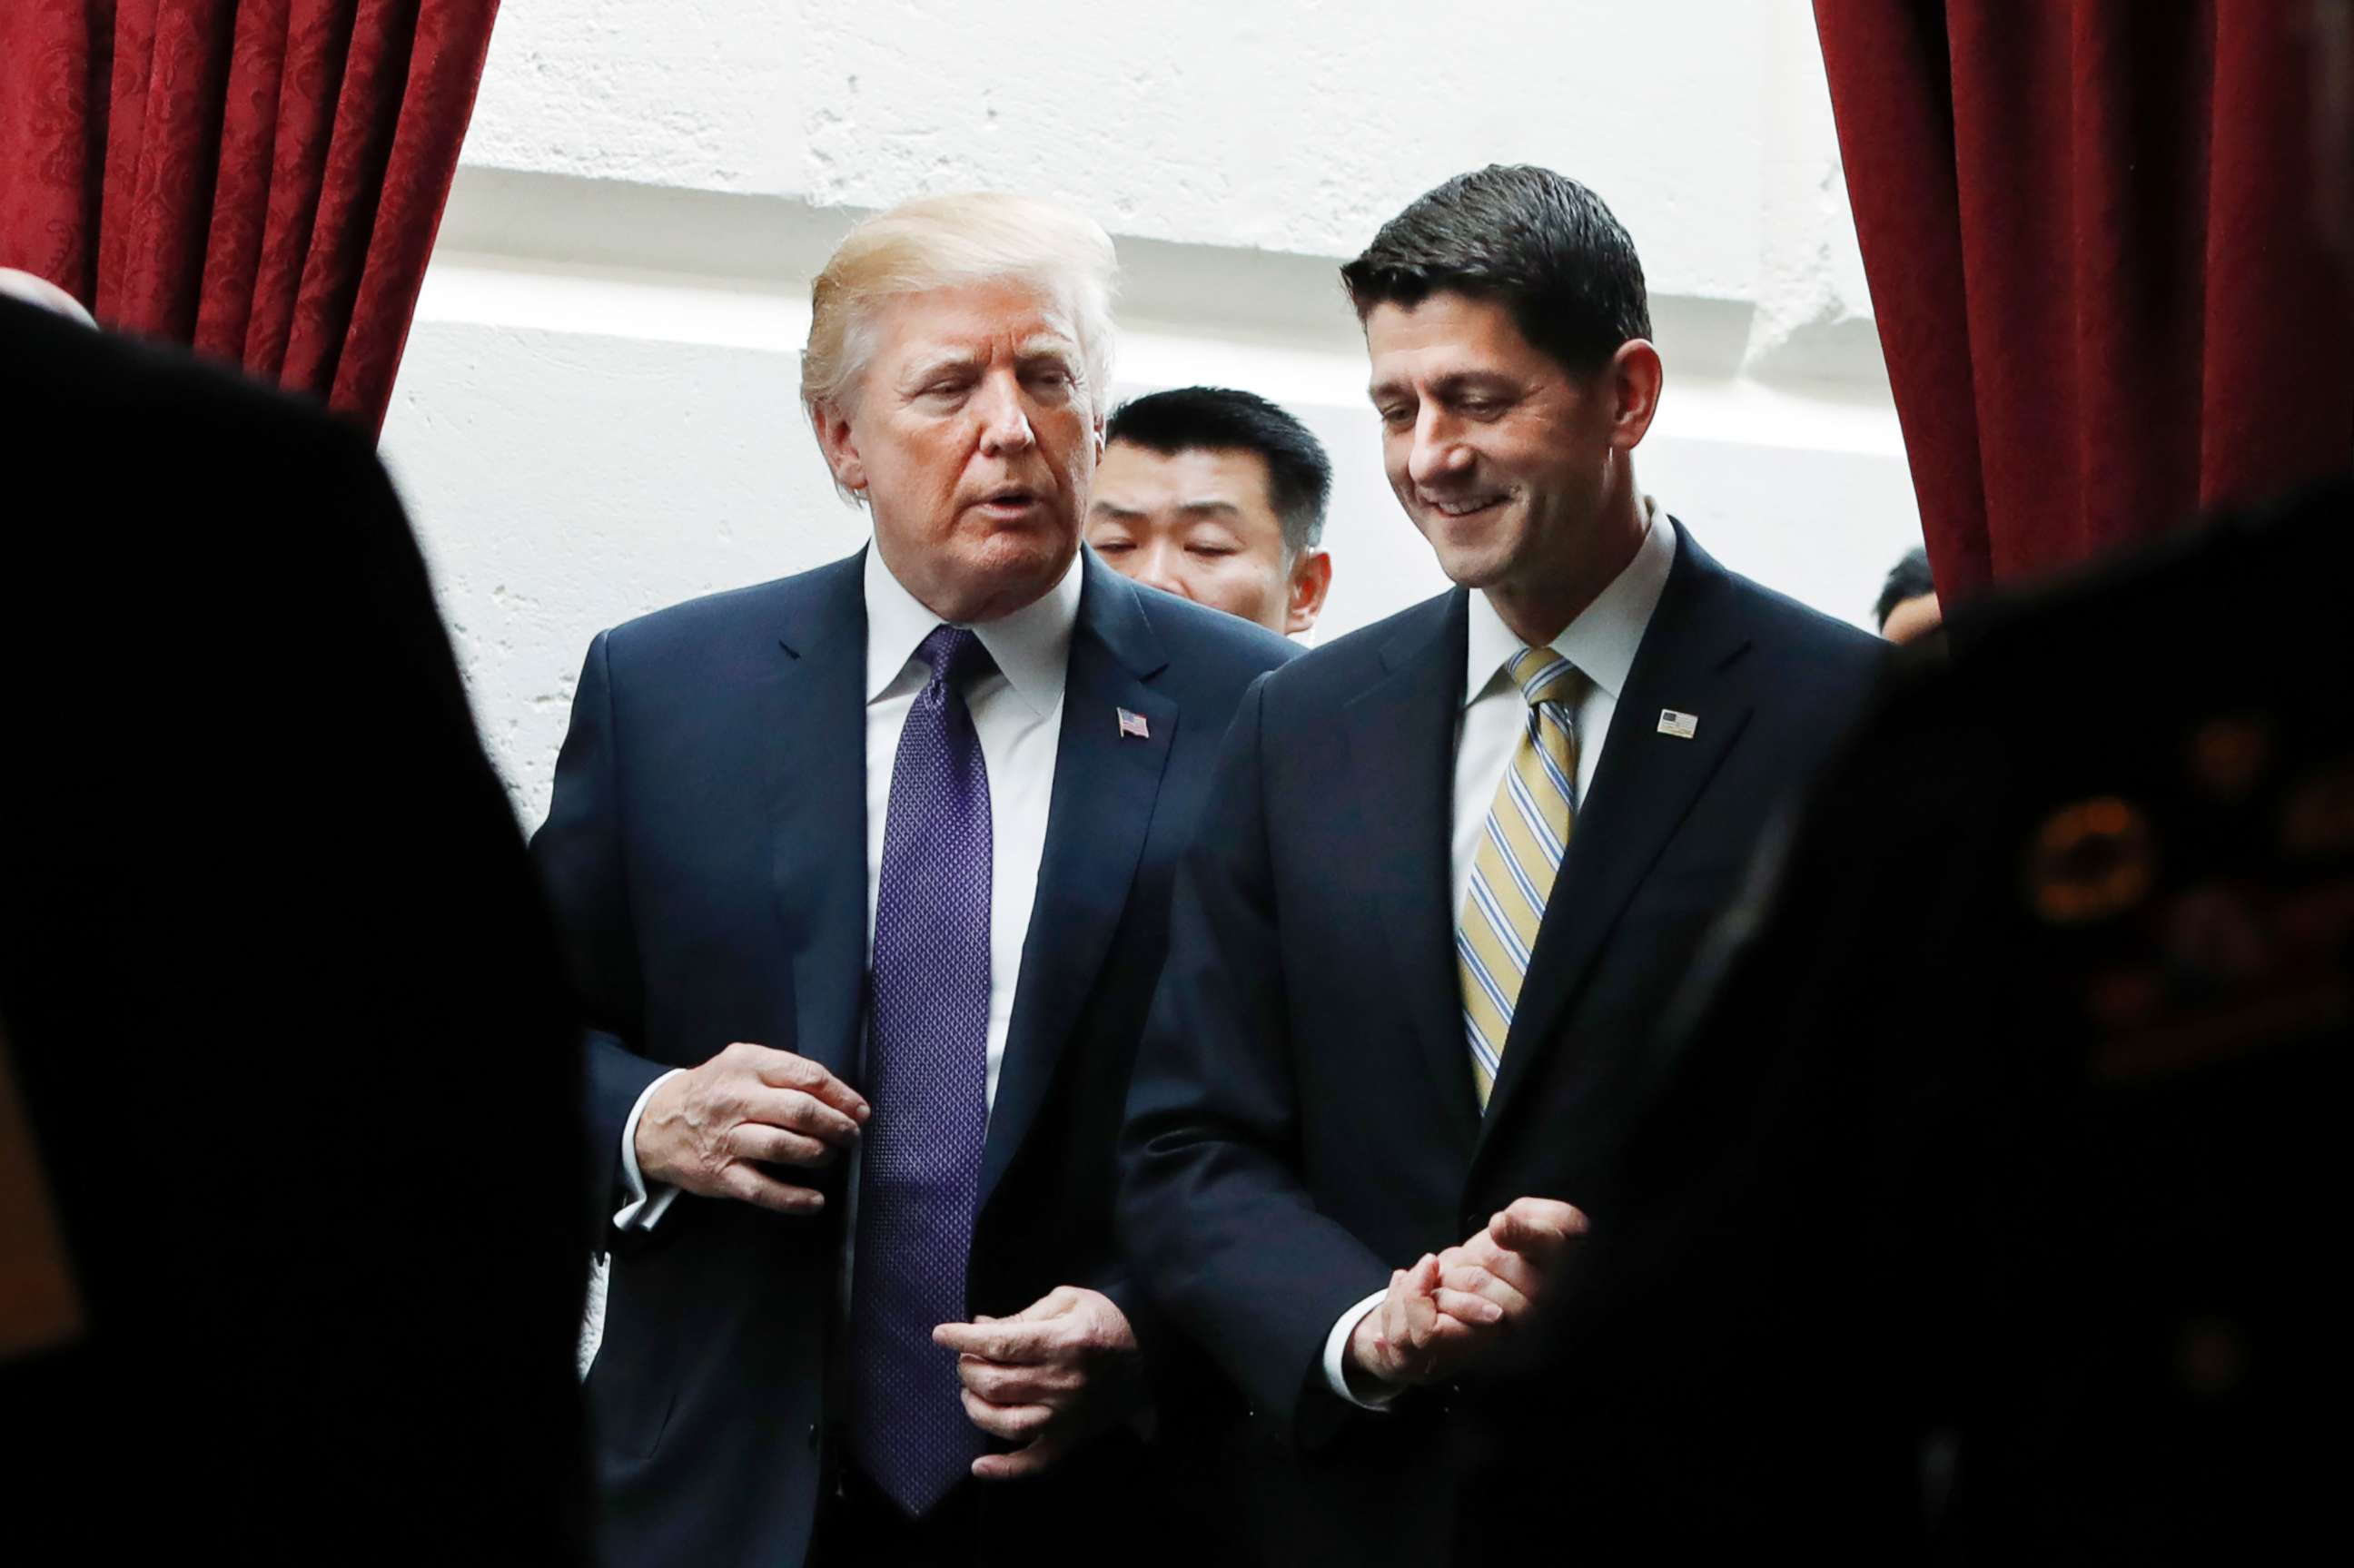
706,854
1302,1118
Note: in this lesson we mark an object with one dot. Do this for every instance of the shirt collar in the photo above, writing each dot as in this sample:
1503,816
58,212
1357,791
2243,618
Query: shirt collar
1031,647
1603,639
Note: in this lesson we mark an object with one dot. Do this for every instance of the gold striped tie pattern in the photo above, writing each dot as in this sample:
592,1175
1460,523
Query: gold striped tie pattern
1520,856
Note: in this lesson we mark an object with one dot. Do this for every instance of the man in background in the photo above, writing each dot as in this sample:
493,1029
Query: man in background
1217,496
1907,609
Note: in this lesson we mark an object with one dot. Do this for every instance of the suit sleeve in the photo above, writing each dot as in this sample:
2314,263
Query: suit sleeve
1220,1228
579,852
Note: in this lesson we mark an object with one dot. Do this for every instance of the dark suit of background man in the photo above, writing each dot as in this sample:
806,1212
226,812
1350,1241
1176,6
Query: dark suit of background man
1399,1037
873,862
260,893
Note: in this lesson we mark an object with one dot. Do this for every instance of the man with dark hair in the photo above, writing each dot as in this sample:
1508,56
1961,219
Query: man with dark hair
1907,609
1371,1162
1217,496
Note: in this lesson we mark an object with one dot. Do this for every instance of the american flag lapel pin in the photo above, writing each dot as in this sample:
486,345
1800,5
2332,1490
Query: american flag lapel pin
1133,724
1682,725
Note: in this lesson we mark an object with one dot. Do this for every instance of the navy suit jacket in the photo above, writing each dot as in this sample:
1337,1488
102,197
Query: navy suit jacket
1302,1115
705,856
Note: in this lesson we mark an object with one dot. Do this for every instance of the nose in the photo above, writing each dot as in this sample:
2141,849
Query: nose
1437,452
1157,567
1004,418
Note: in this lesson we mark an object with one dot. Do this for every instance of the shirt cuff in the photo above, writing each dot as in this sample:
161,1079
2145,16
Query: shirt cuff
1336,1357
644,1207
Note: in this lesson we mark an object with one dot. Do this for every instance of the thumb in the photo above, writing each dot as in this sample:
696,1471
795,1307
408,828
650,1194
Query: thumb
1537,1226
1054,1304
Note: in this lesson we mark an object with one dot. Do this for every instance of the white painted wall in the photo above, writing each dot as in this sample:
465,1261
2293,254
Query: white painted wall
597,413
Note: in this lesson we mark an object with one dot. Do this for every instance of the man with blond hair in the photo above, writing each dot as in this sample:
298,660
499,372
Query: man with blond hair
864,875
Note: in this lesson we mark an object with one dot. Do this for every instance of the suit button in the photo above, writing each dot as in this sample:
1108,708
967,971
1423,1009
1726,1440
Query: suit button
1473,1223
813,1436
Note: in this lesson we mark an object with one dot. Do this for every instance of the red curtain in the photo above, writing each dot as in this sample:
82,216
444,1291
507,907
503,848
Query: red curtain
259,178
2104,297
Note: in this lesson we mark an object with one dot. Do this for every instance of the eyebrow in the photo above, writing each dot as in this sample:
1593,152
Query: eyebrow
1187,508
940,364
1451,383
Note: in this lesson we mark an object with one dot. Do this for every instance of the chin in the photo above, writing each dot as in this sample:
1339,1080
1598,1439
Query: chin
1470,565
1016,558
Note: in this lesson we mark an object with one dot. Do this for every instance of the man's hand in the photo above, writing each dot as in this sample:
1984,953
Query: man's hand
1051,1376
1456,1310
711,1129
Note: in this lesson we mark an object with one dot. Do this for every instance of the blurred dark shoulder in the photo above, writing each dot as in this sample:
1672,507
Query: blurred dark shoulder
2019,1062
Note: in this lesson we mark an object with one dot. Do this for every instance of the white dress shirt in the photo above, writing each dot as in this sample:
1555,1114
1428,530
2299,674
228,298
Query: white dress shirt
1601,642
1017,715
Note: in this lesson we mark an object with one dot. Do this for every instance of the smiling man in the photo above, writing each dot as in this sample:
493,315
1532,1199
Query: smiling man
864,875
1419,944
1217,496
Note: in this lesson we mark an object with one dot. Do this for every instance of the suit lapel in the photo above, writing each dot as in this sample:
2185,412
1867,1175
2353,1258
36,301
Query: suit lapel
1639,796
1401,779
1106,783
818,810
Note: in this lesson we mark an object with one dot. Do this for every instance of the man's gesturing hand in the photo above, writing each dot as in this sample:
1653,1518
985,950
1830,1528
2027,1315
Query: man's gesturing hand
1455,1309
711,1129
1051,1376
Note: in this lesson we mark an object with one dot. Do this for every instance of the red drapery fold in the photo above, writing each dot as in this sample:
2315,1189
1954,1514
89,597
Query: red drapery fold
259,178
2104,300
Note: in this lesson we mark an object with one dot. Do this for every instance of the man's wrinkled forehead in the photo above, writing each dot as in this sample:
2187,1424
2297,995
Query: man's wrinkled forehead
995,315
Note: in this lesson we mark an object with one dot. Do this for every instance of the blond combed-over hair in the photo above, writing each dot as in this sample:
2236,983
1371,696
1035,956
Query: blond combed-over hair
944,241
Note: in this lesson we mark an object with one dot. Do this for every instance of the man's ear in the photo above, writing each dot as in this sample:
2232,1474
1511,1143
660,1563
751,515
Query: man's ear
1312,580
840,446
1632,378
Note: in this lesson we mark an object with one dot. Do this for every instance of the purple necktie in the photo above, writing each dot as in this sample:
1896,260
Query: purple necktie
927,1065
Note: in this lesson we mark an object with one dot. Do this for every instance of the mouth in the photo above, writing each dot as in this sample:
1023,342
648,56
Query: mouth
1010,501
1456,507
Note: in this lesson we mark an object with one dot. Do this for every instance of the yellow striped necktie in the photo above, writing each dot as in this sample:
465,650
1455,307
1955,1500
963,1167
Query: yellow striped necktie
1520,855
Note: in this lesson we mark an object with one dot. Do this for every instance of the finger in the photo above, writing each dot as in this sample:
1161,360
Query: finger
1420,1313
1007,1341
785,1070
1039,1456
1473,1311
1048,1385
741,1181
1537,1228
774,1146
1014,1422
1514,1268
1055,1303
797,1111
1451,1342
1470,1279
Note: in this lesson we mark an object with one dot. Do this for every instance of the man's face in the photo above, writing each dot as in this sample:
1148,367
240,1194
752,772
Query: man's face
1910,620
1201,524
1499,456
974,442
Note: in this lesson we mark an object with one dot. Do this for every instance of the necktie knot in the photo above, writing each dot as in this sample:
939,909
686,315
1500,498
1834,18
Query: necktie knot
955,655
1545,676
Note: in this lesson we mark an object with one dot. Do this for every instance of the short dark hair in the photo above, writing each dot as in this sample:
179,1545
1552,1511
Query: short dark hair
1908,578
1220,419
1539,243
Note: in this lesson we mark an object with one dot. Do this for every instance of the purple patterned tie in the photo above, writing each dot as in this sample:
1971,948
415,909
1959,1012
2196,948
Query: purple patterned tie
928,1063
